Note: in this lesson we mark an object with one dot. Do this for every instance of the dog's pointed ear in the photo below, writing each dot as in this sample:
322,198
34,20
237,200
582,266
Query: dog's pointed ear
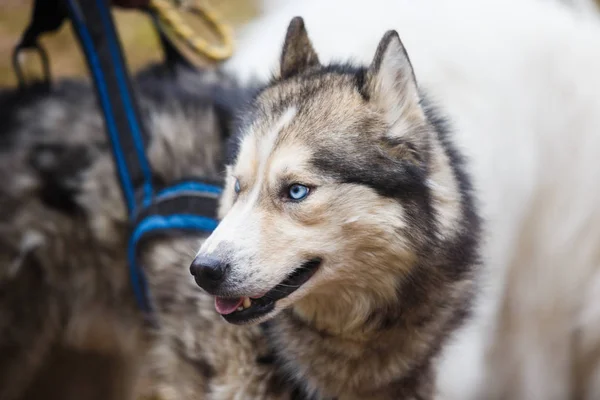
298,53
391,84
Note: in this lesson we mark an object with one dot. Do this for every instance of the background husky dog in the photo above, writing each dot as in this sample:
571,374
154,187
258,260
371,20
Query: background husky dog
69,324
521,88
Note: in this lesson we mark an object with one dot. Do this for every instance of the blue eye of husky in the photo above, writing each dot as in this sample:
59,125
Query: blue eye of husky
237,186
298,192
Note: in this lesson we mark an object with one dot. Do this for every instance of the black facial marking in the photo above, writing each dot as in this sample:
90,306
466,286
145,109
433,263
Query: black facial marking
370,167
397,179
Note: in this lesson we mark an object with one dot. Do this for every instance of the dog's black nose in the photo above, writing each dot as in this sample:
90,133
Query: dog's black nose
208,271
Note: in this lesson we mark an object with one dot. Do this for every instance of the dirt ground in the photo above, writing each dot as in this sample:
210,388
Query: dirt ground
135,30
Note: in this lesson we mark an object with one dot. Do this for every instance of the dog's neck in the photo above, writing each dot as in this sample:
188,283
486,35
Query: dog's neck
344,312
356,343
321,341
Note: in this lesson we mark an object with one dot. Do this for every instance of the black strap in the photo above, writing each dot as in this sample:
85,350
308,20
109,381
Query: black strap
181,203
97,36
47,16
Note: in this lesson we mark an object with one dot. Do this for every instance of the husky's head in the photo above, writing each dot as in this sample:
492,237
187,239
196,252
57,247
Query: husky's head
343,189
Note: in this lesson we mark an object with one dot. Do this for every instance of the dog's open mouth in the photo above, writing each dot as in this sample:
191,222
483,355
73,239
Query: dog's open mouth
241,310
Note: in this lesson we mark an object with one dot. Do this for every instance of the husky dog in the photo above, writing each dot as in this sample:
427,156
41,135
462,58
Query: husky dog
69,324
348,223
349,229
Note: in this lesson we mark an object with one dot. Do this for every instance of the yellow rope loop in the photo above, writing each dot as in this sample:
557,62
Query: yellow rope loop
170,17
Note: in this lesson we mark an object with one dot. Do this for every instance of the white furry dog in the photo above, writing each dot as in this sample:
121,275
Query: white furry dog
521,85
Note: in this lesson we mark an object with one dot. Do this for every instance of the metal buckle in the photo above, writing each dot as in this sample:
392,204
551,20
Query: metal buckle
18,59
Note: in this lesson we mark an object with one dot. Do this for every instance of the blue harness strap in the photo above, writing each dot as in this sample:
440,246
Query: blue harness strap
188,206
96,33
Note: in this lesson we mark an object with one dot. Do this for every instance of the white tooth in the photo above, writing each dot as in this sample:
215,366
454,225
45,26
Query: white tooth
247,302
240,308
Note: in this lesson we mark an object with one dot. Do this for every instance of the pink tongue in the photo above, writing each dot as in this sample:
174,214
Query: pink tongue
226,305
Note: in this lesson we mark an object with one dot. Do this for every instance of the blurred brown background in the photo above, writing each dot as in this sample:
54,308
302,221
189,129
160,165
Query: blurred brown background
136,33
135,29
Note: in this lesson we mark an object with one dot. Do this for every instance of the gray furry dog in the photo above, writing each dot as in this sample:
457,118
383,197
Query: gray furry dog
69,323
348,226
